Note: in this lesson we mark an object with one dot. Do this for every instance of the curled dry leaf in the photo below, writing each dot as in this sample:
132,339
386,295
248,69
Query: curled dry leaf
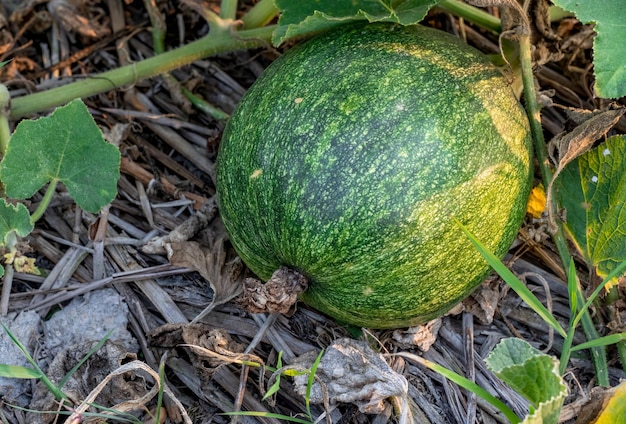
484,301
351,372
278,295
422,336
564,148
185,231
80,17
514,18
224,274
210,347
217,348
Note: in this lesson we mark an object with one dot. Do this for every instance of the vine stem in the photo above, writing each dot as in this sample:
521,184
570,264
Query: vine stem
7,283
598,354
45,201
196,50
5,130
472,14
260,15
228,10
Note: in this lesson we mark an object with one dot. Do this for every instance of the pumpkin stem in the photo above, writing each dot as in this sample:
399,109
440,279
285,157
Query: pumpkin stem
278,295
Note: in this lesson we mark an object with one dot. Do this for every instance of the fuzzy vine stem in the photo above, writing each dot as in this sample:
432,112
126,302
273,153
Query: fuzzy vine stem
196,50
45,201
598,354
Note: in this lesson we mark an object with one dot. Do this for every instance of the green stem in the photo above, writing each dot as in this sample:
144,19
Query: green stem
532,107
613,296
196,50
5,130
45,201
205,106
566,350
472,14
260,15
158,25
228,10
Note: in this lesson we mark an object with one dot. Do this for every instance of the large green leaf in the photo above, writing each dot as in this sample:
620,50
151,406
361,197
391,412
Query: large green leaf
302,17
532,374
609,49
67,147
592,190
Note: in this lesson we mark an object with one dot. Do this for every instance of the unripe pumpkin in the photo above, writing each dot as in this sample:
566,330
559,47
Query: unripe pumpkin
350,158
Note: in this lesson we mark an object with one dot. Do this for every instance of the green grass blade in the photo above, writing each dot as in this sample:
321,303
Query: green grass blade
22,348
601,341
522,291
268,415
16,371
112,415
465,383
161,389
572,289
309,384
58,394
276,386
84,359
608,279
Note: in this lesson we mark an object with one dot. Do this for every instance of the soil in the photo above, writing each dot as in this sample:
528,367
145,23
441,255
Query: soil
156,268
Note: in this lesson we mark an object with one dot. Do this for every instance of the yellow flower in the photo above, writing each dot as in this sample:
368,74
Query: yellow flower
536,202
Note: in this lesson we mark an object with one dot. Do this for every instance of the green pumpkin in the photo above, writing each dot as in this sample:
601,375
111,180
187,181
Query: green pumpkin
350,158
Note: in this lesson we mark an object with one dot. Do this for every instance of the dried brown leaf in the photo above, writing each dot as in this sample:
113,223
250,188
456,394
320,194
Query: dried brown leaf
352,372
223,274
188,229
422,336
80,17
591,127
514,17
278,295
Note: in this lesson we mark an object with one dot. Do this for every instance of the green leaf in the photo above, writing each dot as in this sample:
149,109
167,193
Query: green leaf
68,147
592,189
608,47
532,374
14,220
302,17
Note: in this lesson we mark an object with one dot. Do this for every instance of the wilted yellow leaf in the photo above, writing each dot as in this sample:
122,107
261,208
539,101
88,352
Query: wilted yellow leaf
615,409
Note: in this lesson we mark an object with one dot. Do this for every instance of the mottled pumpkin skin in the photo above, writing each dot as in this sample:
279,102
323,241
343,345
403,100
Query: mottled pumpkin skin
350,156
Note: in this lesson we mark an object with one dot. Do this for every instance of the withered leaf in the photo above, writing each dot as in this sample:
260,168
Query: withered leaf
564,148
592,126
223,274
